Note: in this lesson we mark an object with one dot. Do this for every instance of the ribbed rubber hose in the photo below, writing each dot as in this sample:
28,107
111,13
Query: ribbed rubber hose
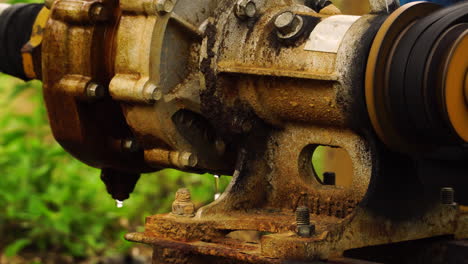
16,24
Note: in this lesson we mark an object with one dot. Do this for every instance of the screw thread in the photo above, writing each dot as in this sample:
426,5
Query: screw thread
183,195
302,216
447,196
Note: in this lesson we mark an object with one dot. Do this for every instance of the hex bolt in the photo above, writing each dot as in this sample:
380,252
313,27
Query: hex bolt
304,228
182,205
302,215
156,94
447,196
152,92
288,25
165,6
245,9
187,159
95,91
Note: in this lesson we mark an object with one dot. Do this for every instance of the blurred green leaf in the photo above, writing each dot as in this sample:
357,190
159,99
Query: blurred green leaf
13,249
50,201
57,203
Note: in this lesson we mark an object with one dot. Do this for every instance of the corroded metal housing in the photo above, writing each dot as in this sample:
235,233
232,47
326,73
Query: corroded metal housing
200,86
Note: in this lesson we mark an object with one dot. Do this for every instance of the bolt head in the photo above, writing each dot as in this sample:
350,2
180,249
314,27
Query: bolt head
447,196
183,195
188,159
284,20
246,9
96,91
288,24
152,92
165,6
157,94
182,205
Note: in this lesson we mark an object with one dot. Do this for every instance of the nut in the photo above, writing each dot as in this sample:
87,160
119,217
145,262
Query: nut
305,230
246,9
447,196
165,6
156,94
182,205
288,25
95,91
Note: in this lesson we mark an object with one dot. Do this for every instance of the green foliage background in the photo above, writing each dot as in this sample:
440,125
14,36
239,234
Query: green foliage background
52,202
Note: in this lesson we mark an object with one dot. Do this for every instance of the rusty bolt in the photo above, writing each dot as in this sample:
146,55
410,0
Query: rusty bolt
156,94
182,205
95,91
187,159
288,25
245,9
447,196
304,228
165,6
152,92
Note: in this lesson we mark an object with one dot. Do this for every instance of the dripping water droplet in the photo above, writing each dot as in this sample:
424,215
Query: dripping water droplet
119,204
216,183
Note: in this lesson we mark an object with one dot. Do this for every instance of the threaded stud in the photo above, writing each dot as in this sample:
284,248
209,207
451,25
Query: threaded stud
302,215
304,228
447,196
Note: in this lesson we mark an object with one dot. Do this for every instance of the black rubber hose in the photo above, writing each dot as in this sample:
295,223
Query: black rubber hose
16,24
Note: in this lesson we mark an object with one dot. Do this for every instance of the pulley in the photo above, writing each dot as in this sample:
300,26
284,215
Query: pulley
415,80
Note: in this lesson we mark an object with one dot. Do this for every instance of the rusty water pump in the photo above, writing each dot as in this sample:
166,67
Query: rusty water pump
251,88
